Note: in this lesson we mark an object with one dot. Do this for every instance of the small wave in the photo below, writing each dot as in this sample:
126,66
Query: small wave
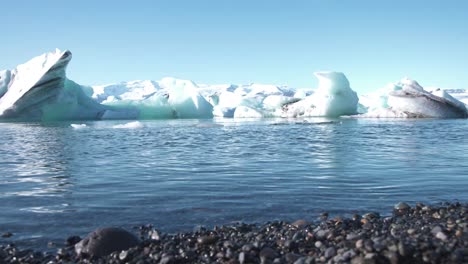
208,125
44,210
135,124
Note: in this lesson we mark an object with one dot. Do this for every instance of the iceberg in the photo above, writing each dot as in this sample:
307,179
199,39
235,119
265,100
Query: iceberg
333,98
33,84
40,90
408,99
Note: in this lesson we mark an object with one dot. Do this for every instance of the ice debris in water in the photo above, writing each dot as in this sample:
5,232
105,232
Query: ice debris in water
40,90
78,126
134,124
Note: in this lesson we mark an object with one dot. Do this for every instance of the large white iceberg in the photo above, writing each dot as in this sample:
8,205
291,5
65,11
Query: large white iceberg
40,90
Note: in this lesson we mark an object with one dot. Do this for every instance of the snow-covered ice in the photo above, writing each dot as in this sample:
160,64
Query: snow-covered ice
40,90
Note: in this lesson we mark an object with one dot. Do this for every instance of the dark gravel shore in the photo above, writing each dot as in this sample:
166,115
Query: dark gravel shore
419,234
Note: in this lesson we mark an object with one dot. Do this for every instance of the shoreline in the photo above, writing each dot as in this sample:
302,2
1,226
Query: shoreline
412,234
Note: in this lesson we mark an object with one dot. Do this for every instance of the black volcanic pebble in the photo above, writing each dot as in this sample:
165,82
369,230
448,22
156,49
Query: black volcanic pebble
104,241
72,240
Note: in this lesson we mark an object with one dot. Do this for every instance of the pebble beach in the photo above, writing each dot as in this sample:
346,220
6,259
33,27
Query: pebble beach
410,234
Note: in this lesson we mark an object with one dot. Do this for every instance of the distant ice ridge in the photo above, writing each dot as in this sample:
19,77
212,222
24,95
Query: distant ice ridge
40,90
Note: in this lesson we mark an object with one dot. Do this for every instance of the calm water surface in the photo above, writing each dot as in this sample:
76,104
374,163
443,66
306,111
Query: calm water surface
57,181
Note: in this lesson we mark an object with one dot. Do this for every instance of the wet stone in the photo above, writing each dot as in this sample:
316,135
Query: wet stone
7,235
436,230
300,223
402,206
123,255
291,257
242,257
330,252
167,259
318,244
321,234
72,240
441,235
104,241
324,216
371,215
207,240
360,243
352,236
268,253
300,260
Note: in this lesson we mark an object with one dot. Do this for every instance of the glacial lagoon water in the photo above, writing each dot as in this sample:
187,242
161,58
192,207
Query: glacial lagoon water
57,181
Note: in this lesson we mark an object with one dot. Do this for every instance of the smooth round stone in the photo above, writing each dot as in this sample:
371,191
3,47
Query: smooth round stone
330,252
402,206
72,240
268,253
371,215
300,223
207,240
103,241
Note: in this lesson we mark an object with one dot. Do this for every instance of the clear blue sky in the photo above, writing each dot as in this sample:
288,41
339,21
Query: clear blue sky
243,41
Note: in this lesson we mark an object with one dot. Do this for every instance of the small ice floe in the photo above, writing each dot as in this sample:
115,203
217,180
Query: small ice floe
78,126
134,124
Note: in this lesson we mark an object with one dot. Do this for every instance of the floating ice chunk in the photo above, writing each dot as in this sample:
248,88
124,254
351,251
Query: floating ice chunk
132,125
78,126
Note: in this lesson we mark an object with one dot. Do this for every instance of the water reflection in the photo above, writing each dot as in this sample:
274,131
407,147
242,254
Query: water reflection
36,161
